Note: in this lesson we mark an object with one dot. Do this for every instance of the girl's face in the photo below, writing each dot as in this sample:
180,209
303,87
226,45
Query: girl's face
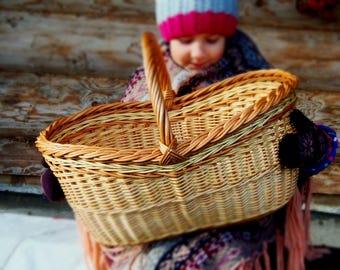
198,52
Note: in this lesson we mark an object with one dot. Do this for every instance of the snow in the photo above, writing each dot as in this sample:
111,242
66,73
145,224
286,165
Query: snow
38,243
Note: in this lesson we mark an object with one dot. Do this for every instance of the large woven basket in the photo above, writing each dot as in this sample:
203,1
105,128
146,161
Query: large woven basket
142,171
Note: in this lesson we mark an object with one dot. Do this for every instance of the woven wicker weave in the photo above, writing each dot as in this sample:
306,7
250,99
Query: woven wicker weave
141,171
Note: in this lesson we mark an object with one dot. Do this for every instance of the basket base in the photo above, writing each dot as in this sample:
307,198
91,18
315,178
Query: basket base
175,218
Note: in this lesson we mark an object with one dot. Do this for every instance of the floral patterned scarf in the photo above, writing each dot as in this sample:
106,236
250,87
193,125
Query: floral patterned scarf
241,55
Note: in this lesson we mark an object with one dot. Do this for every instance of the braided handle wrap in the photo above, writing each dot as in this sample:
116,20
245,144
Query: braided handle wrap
161,95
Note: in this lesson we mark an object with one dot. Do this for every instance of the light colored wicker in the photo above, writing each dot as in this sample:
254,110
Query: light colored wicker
137,172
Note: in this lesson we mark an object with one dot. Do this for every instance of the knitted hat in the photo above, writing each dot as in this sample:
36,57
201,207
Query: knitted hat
180,18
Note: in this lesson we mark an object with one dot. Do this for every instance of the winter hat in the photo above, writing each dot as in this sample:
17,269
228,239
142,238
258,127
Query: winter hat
180,18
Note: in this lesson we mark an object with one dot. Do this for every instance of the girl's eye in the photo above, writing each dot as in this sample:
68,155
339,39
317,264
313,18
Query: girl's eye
185,41
212,40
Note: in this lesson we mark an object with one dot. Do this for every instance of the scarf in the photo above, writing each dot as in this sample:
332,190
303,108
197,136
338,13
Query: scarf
241,55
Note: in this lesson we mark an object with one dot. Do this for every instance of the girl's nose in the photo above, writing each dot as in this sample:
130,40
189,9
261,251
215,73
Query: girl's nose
198,50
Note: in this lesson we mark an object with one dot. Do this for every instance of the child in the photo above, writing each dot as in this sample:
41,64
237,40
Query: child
201,46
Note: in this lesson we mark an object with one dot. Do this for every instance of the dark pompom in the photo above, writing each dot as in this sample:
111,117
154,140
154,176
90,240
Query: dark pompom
300,121
289,153
311,149
51,186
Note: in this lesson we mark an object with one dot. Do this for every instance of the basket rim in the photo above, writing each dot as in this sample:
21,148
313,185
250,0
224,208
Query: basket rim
143,157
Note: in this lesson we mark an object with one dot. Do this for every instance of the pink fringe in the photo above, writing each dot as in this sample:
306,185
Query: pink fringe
307,214
266,256
279,250
296,239
297,230
258,264
245,265
255,264
295,236
94,257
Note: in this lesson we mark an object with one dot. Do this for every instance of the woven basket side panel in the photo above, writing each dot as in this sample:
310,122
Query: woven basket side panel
251,156
209,194
208,210
123,196
202,116
114,131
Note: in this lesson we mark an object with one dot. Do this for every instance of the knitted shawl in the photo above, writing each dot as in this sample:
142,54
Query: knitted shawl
241,55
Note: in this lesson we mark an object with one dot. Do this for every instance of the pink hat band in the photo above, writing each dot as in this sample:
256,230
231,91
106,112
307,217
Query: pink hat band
194,23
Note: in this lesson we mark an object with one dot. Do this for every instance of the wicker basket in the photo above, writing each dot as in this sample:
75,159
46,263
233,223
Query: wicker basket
142,171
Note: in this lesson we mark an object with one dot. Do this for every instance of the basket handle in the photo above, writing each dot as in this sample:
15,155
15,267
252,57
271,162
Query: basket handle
161,96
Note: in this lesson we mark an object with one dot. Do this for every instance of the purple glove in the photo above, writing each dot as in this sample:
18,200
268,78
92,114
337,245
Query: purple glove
50,185
311,149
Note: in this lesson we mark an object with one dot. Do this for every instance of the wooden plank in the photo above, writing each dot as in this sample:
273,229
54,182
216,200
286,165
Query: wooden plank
282,14
324,108
29,102
320,106
101,38
275,13
19,157
69,44
122,9
328,181
302,53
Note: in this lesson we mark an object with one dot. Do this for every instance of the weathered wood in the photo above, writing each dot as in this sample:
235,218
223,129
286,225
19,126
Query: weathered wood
320,106
69,44
282,14
29,102
19,156
92,47
275,13
312,55
115,9
328,181
324,108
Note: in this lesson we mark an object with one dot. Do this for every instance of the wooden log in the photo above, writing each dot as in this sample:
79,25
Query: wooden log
328,181
323,108
29,102
19,156
123,10
282,14
275,13
69,44
311,55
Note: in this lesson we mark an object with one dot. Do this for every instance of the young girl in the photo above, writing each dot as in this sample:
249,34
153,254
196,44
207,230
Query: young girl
201,46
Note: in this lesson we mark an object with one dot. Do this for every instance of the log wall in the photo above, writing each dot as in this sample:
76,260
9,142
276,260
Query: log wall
59,57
